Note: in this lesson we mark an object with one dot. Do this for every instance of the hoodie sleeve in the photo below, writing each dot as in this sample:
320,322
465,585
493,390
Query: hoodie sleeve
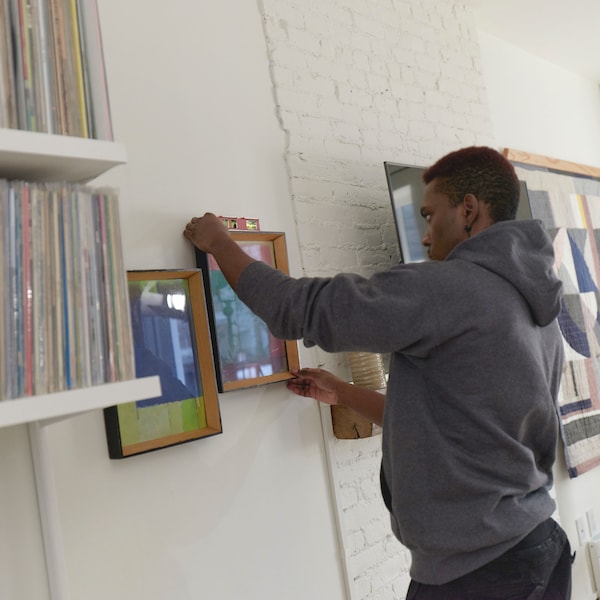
385,313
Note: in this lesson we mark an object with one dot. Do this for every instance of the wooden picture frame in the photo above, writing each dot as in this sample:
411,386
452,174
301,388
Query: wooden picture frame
246,354
171,335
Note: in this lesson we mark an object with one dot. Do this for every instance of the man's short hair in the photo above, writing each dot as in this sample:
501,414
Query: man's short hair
480,171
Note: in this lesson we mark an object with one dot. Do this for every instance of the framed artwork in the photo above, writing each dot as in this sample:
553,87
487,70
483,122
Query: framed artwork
565,197
171,338
246,354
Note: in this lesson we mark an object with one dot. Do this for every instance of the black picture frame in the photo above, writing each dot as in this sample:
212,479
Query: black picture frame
171,336
245,352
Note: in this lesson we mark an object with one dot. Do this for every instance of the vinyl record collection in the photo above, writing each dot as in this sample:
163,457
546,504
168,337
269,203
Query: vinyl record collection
64,309
52,74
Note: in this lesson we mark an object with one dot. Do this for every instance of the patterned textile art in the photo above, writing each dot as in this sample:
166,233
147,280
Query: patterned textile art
569,207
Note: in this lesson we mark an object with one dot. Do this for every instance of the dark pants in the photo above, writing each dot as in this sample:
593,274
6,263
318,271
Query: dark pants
537,568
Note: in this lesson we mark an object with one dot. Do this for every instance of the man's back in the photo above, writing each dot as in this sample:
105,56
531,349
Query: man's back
470,423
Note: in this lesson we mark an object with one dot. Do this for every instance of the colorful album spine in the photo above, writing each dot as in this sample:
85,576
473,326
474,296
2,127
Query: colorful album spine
65,320
4,224
26,293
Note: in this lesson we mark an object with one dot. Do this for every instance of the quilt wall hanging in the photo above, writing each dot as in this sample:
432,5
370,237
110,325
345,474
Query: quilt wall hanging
566,198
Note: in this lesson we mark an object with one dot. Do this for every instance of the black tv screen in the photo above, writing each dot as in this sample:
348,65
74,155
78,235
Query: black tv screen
406,188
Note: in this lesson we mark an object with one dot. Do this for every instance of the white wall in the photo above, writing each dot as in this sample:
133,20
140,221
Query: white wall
246,513
539,107
206,129
543,109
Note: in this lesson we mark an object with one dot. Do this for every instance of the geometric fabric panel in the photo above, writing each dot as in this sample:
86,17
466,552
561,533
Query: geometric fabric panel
569,208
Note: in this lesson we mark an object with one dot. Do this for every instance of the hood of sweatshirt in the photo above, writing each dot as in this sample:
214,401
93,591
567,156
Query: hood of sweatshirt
520,252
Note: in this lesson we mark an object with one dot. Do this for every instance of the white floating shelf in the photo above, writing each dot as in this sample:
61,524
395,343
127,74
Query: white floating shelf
46,157
51,407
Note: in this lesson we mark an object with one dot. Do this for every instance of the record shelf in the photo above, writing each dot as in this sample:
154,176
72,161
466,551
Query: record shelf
45,157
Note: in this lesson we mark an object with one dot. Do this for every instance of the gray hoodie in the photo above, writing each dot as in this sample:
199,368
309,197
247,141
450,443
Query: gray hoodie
470,424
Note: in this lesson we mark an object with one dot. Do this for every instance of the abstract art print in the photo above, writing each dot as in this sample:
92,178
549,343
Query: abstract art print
568,204
246,354
172,340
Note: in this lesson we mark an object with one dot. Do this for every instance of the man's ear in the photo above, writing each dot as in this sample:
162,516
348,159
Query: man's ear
471,208
470,212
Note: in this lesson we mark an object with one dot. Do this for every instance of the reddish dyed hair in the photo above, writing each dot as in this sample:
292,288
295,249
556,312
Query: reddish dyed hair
480,171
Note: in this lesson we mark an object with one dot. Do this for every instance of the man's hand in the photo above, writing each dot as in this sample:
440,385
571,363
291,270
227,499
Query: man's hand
207,233
315,383
329,389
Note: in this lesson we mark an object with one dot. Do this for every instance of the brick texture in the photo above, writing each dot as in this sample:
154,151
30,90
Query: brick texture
357,82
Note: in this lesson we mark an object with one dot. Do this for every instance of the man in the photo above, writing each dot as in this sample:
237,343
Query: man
469,420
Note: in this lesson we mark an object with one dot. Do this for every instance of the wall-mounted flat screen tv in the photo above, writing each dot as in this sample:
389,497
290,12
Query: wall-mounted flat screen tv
406,188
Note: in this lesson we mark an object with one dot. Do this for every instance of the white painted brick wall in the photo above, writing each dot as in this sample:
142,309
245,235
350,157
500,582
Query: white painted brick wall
357,82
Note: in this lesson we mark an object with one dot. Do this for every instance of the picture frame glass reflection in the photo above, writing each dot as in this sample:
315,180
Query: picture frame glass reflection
247,353
171,340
